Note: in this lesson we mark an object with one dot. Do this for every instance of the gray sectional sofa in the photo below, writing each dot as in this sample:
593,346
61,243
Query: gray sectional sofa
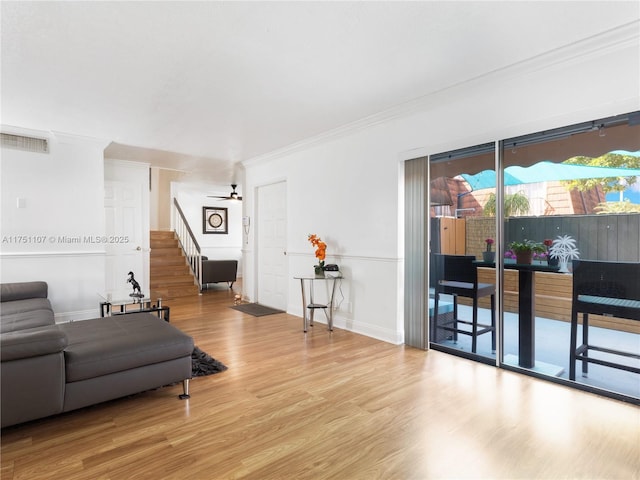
48,368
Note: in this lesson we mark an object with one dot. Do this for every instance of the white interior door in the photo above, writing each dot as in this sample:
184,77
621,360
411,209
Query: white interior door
127,239
272,245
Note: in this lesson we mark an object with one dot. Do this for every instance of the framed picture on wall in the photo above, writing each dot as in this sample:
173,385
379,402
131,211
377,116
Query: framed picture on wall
214,220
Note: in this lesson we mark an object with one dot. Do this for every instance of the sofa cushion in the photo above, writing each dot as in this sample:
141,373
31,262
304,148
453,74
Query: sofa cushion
24,314
10,292
112,344
32,342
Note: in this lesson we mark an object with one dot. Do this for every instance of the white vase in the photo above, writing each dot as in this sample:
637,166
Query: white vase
564,265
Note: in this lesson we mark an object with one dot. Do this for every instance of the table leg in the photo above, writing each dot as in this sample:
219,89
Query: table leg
526,319
304,306
333,292
105,309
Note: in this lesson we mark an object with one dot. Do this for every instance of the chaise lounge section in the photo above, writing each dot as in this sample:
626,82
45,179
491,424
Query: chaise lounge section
50,368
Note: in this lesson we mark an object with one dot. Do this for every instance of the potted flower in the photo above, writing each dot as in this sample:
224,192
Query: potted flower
321,252
488,256
509,257
525,249
551,261
540,258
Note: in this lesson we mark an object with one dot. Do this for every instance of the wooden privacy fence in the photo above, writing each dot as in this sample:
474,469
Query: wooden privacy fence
553,298
614,238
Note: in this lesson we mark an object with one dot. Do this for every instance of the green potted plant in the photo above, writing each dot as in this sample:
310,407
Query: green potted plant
525,249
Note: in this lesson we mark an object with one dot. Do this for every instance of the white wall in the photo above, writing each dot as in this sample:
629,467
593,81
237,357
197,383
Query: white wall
50,237
346,187
215,246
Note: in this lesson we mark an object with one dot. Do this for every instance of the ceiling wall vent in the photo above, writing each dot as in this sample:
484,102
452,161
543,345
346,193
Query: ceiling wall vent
28,144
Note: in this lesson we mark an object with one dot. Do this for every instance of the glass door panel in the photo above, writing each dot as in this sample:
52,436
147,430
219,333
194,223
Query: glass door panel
565,207
461,294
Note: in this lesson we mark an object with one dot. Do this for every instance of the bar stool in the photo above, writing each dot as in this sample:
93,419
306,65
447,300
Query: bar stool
457,275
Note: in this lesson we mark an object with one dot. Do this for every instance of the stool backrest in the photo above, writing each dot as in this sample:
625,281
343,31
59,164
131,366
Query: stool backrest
457,268
606,279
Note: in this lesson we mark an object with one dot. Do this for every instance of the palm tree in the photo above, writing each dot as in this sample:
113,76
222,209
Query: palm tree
514,204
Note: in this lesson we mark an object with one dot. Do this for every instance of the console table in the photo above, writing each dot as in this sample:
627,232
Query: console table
134,305
312,306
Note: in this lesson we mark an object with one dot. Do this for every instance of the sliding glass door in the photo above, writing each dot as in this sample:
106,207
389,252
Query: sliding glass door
573,194
462,296
560,197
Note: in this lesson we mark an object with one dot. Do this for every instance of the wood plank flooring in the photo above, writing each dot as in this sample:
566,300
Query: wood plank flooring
329,406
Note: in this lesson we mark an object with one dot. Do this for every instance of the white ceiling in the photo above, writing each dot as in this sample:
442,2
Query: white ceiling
200,86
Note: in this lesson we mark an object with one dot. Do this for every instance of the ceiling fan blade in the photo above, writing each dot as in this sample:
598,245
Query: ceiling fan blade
239,198
232,196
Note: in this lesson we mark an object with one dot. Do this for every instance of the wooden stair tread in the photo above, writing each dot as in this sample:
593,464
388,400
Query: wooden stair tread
163,270
173,251
171,276
167,260
172,280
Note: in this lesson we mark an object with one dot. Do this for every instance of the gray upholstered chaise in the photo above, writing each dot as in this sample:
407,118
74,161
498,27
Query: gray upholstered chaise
49,368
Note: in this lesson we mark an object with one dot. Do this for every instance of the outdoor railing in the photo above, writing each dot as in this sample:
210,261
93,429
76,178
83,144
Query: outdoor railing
188,242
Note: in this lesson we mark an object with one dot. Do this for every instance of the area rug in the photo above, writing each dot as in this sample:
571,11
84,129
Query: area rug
203,364
256,309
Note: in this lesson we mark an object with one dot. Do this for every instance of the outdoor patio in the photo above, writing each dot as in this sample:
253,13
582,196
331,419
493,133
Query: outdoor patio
552,350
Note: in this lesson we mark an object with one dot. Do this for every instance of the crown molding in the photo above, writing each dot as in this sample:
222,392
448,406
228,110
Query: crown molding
55,137
604,43
73,139
126,163
26,132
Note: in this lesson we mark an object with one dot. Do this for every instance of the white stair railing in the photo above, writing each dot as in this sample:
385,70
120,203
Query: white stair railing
188,242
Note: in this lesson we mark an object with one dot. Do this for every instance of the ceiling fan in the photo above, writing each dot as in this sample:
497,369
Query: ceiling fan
232,196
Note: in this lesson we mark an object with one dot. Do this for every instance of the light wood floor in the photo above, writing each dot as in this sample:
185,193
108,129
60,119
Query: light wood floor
330,406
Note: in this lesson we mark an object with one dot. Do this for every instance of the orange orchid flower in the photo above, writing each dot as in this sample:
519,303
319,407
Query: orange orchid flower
321,247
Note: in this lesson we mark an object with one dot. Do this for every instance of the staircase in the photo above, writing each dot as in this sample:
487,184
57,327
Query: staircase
171,276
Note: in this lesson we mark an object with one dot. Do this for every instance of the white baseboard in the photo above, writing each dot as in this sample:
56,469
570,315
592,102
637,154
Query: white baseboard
67,317
373,331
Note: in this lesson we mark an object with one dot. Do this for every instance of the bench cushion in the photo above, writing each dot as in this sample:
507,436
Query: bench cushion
113,344
616,302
